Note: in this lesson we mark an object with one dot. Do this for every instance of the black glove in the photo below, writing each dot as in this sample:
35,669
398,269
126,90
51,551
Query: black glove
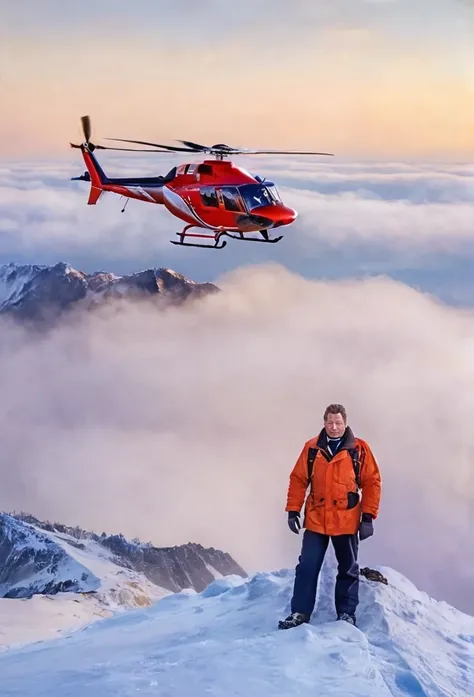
294,521
366,527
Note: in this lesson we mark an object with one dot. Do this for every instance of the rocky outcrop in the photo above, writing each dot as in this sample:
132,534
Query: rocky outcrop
184,566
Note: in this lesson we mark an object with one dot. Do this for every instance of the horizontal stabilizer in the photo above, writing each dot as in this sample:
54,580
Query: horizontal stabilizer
86,177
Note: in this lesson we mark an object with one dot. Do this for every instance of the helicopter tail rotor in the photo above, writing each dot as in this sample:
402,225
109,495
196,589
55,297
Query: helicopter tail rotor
86,127
87,131
94,174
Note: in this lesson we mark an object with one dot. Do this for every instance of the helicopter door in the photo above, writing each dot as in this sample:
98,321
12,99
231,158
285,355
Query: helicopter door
229,199
209,197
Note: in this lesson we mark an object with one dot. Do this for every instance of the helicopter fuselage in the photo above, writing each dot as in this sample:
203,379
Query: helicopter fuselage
213,194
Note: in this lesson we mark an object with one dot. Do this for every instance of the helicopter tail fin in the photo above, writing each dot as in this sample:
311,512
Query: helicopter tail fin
94,195
97,176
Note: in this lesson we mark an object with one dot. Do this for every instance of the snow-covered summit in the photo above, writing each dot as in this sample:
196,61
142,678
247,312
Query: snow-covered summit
38,292
224,641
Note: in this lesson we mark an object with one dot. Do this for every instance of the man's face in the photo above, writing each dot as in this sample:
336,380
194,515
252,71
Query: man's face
335,425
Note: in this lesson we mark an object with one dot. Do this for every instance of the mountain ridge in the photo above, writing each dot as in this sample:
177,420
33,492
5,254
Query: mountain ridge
39,557
43,293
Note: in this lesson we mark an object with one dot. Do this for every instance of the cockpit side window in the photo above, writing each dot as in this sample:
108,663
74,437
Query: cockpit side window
274,192
231,198
256,195
209,197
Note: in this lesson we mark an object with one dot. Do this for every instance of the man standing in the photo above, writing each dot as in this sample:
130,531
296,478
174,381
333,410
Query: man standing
337,466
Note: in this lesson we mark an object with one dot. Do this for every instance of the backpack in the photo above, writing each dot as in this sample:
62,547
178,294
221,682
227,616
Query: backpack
355,457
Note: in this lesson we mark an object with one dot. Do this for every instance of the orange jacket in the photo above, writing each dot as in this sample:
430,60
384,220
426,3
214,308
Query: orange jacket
326,509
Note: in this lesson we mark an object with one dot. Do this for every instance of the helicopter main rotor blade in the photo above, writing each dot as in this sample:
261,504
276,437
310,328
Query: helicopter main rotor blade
219,149
281,152
171,148
155,152
195,146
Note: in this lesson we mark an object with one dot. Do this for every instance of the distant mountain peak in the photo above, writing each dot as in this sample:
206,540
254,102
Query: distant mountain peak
43,293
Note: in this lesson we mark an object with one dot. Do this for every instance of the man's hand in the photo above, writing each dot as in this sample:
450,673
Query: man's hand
294,521
366,527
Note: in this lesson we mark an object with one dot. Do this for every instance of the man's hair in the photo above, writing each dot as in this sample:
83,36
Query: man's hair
335,409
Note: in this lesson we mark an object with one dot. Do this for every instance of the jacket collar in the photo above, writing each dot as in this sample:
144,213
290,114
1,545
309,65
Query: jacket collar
348,440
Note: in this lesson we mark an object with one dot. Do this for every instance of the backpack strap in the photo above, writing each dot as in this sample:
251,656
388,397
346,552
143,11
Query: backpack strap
355,457
356,463
311,455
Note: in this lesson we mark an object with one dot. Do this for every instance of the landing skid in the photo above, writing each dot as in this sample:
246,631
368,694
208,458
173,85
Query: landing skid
202,246
216,237
255,239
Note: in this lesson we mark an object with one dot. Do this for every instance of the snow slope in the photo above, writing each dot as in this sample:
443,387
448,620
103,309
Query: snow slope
33,562
224,642
13,279
40,561
115,588
119,586
97,576
46,617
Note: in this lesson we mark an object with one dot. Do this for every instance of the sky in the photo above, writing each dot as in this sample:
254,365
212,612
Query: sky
360,78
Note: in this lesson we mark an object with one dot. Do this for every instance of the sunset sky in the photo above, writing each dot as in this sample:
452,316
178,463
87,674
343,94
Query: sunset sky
360,78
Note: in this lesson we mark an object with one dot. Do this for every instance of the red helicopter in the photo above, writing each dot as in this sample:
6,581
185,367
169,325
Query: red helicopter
213,195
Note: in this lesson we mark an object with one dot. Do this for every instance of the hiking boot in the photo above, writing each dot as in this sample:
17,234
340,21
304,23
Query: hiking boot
293,620
347,618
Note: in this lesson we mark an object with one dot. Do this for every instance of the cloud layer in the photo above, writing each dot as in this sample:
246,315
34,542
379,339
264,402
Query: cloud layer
412,221
184,425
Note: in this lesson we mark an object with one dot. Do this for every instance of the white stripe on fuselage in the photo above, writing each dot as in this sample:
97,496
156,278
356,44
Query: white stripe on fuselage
176,201
140,191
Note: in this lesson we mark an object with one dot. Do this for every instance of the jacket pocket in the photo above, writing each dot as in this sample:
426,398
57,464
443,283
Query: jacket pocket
315,500
352,499
347,502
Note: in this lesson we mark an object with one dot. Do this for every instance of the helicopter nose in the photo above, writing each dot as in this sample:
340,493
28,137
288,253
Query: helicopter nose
285,215
279,214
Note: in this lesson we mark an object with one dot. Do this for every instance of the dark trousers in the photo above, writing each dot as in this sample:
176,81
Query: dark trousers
309,565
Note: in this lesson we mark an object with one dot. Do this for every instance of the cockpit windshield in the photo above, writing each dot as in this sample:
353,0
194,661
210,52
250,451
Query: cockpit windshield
256,195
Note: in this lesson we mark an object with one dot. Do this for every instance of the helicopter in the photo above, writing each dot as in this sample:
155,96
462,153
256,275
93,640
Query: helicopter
214,195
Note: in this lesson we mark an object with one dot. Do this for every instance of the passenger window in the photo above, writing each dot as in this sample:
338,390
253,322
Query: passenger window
208,196
231,198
